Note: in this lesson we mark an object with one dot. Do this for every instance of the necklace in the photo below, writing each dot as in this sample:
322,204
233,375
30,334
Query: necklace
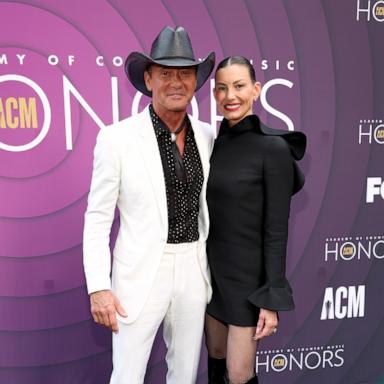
179,164
178,130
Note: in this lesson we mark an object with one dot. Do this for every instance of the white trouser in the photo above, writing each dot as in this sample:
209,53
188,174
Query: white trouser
178,297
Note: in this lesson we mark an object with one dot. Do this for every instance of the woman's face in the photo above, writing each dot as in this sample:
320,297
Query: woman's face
235,92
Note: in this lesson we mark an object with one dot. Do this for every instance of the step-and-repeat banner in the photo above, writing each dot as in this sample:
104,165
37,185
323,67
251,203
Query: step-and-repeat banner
62,80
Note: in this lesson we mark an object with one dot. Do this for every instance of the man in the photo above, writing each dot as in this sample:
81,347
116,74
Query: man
154,167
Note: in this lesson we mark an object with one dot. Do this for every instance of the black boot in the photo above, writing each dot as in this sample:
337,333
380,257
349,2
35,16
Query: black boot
216,370
254,380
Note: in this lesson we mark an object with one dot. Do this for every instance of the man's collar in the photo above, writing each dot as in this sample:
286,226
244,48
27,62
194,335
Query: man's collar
160,126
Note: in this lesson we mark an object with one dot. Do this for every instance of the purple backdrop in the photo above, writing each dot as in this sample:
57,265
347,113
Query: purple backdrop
61,79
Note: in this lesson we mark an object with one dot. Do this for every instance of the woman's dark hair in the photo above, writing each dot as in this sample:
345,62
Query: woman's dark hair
241,60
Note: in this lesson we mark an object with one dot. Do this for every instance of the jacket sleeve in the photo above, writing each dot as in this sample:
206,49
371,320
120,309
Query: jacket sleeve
276,293
100,213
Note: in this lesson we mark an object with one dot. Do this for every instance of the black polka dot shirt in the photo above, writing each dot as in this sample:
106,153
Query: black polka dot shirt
182,196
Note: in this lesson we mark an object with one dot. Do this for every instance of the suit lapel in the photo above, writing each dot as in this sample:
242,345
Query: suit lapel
202,146
152,161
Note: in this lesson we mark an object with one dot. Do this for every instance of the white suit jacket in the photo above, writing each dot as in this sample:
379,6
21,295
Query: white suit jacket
128,173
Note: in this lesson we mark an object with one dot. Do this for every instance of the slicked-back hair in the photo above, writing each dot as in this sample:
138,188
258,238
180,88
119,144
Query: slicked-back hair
240,60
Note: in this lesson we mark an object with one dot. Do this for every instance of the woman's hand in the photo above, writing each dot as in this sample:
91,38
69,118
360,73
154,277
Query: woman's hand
267,324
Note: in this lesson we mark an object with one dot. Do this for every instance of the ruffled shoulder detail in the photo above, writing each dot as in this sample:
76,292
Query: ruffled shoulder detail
297,142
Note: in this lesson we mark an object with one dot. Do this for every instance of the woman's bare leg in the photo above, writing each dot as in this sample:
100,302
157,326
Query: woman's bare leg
241,354
216,334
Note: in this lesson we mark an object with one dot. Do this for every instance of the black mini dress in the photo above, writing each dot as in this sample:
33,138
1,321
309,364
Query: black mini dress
253,174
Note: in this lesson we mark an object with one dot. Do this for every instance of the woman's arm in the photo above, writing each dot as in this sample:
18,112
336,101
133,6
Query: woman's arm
276,293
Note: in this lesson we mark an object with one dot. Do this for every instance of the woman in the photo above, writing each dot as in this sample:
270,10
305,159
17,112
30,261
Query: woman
253,175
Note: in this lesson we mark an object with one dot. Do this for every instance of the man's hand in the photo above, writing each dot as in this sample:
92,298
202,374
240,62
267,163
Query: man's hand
267,324
104,305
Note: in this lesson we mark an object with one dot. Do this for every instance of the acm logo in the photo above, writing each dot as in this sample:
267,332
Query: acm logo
343,302
299,359
358,248
367,8
371,131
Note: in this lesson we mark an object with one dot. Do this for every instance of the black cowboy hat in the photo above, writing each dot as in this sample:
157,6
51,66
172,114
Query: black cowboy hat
171,48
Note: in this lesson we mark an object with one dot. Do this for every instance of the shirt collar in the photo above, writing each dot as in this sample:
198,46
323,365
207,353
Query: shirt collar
161,128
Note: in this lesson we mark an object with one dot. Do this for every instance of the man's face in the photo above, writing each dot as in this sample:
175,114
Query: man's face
172,87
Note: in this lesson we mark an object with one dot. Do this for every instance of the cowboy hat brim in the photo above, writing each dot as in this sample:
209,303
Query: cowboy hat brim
136,63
